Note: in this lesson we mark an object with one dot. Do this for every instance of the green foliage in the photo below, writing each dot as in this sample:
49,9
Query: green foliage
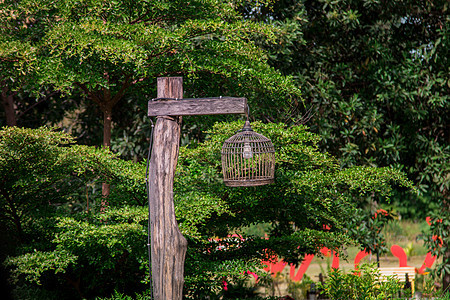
41,167
111,51
205,273
364,283
98,253
50,196
33,265
437,241
374,77
28,292
367,230
298,290
119,296
310,191
38,168
105,251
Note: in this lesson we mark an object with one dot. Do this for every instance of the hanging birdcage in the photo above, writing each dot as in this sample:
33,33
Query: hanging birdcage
248,159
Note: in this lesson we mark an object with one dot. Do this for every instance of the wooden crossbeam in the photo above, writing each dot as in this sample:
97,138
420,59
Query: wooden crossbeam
191,107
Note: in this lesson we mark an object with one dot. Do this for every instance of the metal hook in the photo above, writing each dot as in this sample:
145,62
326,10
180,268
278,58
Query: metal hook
247,112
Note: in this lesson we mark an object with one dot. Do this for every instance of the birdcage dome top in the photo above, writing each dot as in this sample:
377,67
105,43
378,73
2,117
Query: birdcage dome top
247,136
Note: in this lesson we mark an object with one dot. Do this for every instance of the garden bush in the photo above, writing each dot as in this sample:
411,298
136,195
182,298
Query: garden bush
363,283
69,248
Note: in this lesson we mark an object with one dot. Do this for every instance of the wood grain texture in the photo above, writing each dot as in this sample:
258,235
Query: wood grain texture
167,243
190,107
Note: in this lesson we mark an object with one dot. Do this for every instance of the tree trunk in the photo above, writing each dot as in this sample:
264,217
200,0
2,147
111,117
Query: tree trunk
8,106
446,244
107,127
446,277
106,102
168,246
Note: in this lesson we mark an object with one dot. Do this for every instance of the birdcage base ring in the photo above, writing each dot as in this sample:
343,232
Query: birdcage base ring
248,182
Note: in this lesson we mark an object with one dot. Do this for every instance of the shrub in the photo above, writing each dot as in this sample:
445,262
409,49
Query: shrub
362,284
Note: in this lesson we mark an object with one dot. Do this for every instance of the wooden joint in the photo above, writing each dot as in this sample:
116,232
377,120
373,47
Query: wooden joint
167,118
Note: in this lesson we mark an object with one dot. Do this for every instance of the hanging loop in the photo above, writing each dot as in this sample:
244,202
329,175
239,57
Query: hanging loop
247,112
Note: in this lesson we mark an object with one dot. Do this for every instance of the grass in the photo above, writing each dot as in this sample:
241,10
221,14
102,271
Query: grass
406,234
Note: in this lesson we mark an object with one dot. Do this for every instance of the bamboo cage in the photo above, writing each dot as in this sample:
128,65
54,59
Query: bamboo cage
248,159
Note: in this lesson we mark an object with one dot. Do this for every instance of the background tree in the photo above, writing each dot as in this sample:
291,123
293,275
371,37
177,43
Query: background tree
374,76
108,49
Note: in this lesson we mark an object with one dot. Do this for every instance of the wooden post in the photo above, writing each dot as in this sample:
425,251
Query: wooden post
168,246
167,243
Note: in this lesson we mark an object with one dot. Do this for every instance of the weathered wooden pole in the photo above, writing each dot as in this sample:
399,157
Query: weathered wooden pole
168,245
